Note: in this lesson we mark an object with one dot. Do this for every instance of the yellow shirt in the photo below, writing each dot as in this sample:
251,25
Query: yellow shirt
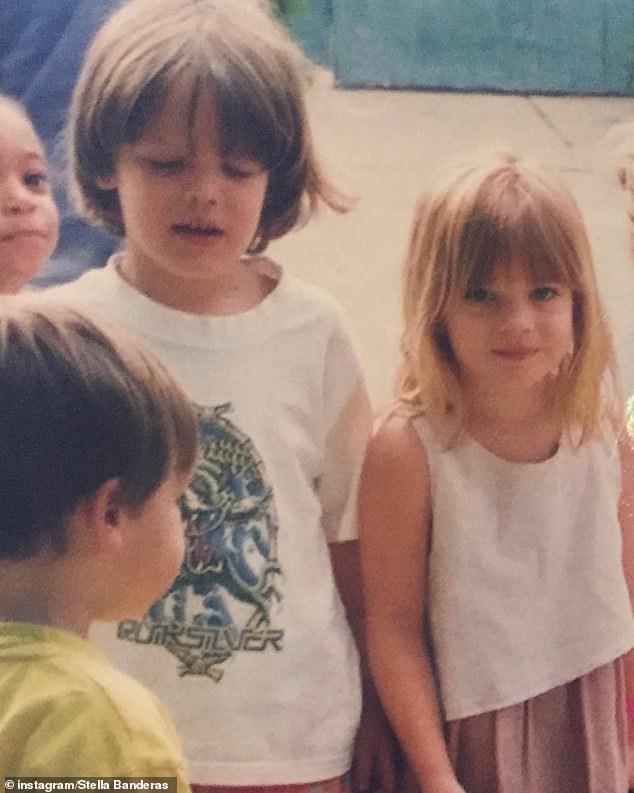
66,711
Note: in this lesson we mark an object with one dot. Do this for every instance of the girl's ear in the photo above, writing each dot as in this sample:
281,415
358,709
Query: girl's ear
97,521
107,182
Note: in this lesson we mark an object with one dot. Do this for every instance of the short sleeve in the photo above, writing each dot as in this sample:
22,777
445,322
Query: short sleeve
82,735
348,428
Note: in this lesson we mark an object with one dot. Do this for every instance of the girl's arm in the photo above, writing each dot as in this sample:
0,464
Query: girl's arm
626,517
395,520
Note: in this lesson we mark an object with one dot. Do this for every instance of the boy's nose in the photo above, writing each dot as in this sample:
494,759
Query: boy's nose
205,188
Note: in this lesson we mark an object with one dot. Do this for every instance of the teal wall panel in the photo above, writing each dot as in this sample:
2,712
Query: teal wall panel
570,46
313,30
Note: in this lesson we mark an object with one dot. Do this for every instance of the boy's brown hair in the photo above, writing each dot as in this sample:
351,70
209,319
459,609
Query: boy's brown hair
79,404
231,49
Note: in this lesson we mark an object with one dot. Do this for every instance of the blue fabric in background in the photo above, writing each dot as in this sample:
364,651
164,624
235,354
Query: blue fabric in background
42,43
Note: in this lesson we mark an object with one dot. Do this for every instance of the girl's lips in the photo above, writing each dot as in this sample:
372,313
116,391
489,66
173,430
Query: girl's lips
515,354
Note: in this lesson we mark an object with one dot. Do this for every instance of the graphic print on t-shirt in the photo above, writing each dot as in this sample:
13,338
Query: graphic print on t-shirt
226,597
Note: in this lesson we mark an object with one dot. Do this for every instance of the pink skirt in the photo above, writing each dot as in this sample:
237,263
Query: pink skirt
571,739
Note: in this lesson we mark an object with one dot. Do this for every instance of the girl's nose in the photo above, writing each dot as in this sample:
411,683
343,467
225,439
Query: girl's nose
16,199
518,316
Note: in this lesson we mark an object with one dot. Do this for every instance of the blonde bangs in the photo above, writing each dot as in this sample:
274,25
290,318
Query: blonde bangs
495,214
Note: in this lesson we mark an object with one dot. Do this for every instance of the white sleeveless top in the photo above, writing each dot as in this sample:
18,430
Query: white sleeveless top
526,588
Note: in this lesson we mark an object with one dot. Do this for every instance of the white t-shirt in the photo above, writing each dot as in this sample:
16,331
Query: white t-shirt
250,649
526,584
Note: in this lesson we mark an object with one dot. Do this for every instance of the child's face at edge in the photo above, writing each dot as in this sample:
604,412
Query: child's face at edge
189,212
511,333
28,216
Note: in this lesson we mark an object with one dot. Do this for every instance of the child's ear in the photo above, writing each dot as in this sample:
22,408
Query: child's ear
98,520
107,182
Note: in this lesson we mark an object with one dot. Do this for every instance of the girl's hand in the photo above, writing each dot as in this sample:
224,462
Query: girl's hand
448,784
374,763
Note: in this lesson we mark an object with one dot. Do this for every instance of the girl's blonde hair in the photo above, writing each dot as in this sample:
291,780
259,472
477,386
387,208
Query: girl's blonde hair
489,213
232,50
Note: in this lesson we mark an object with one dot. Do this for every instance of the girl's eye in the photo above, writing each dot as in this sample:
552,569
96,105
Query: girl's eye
166,167
543,293
480,295
36,179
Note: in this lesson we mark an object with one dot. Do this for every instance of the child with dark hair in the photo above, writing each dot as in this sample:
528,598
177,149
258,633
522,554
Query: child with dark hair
190,140
97,445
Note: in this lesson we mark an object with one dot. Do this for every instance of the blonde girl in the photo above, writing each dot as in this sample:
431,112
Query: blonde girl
498,607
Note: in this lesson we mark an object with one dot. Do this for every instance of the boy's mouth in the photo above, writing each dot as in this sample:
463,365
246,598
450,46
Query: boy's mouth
196,230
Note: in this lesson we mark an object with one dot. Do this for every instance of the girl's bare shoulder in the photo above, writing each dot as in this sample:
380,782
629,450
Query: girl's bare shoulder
396,446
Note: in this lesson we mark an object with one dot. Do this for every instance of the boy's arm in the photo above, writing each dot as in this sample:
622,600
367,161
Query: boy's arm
373,765
395,521
626,518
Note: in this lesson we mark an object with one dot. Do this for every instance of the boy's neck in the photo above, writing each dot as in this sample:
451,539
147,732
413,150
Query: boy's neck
35,591
220,296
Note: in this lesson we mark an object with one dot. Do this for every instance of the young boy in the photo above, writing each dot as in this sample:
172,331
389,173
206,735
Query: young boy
97,445
190,140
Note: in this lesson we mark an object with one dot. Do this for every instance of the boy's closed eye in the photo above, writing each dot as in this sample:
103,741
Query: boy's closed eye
234,172
230,169
242,168
166,167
